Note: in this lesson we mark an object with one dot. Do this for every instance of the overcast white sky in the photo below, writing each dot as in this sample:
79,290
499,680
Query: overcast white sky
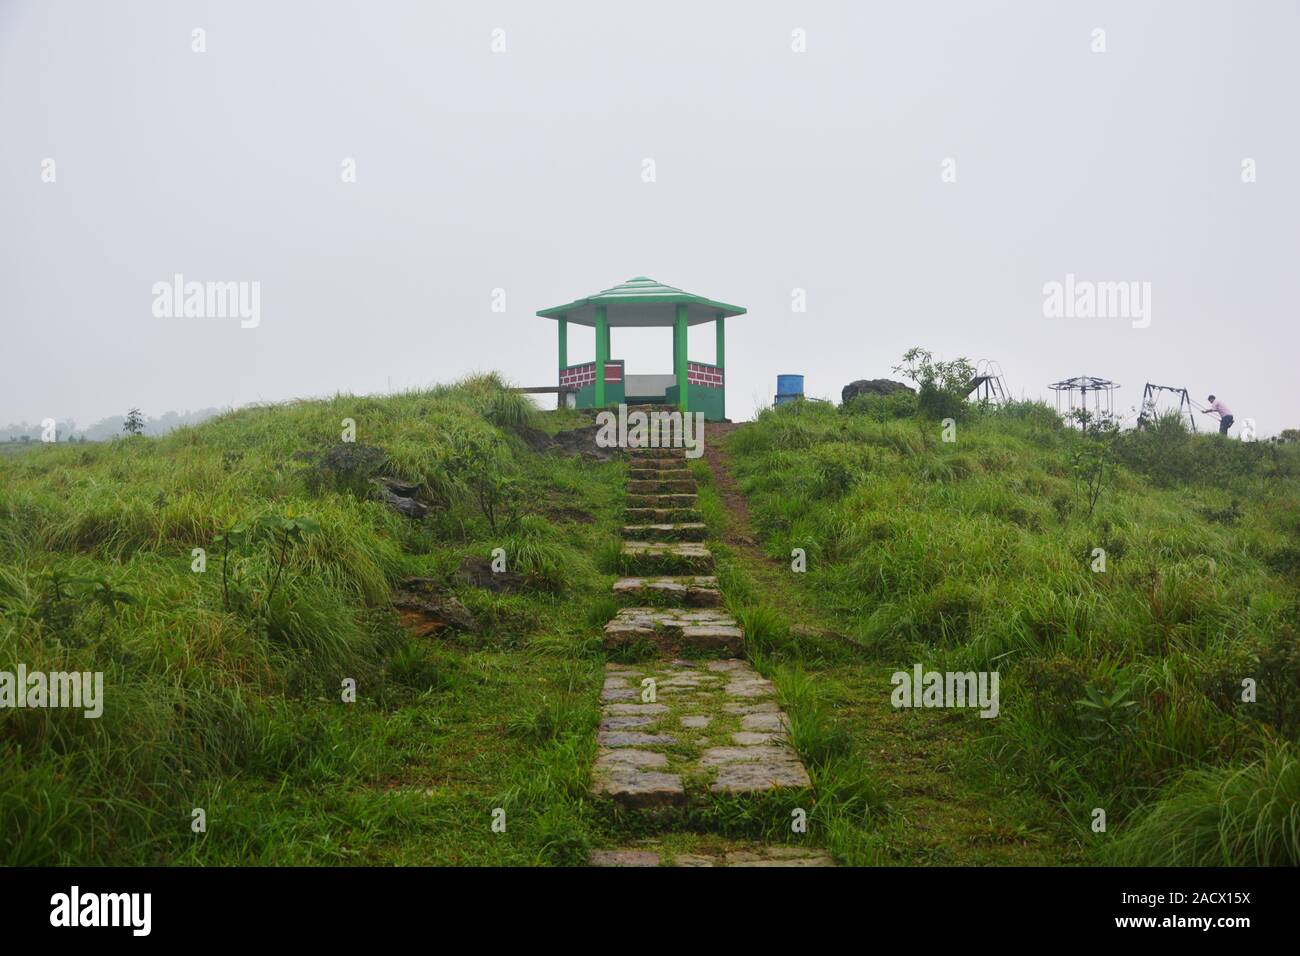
522,170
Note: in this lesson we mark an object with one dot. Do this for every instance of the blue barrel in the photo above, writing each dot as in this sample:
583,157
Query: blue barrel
791,385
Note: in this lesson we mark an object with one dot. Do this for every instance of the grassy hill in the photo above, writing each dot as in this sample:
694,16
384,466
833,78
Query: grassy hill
227,673
228,696
1121,689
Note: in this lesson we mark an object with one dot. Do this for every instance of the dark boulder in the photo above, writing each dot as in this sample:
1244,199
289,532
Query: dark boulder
574,441
534,438
400,496
346,468
348,464
873,386
357,469
403,489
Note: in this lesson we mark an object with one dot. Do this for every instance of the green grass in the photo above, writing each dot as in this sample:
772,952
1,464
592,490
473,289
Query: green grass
970,555
1223,816
977,555
236,707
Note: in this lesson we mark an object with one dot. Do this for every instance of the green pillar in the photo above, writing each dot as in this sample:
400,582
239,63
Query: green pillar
564,341
721,358
608,353
602,354
679,357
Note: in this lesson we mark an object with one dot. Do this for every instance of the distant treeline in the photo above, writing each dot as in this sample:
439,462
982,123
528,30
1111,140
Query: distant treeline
105,428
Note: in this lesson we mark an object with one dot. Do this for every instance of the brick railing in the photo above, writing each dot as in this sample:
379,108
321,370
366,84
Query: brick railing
701,373
578,376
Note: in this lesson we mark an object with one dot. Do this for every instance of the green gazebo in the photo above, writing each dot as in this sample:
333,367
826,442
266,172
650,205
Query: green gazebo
644,303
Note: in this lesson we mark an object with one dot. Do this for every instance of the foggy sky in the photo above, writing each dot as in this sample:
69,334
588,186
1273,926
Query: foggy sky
522,171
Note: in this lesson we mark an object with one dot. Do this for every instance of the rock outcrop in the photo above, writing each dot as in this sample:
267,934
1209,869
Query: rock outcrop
426,608
574,441
400,496
873,386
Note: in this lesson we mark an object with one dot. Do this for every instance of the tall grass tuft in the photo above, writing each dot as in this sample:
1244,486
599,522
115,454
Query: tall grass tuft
1243,816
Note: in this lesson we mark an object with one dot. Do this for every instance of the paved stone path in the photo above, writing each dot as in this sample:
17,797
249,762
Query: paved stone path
675,628
653,855
677,731
690,590
695,723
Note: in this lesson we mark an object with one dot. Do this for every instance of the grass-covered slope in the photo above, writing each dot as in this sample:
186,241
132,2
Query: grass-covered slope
224,688
1121,689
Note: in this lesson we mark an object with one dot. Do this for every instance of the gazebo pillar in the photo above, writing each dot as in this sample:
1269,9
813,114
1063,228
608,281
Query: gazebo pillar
680,339
720,356
563,326
602,354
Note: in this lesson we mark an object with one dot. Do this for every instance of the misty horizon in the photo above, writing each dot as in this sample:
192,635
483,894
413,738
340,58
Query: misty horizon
386,175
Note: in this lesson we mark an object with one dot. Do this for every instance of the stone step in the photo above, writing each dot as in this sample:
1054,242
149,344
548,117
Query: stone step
633,785
672,629
682,531
660,474
665,557
691,590
649,853
661,515
642,459
678,735
680,486
656,454
661,500
676,462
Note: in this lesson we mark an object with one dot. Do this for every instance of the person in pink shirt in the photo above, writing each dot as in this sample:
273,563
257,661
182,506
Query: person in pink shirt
1218,408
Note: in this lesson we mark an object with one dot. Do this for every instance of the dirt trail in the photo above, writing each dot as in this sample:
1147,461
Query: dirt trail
772,575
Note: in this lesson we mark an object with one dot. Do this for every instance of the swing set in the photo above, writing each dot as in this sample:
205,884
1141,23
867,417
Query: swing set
1150,399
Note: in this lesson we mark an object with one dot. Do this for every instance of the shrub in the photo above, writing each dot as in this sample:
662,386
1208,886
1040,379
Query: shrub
882,408
483,468
942,387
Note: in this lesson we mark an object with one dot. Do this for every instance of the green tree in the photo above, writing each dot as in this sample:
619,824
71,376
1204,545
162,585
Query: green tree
1092,455
483,469
942,387
134,424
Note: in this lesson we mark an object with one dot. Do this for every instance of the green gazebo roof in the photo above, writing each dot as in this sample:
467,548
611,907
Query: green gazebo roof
642,302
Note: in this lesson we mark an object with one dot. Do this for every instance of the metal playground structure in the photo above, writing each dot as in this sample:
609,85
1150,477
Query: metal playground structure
1150,410
988,387
1076,393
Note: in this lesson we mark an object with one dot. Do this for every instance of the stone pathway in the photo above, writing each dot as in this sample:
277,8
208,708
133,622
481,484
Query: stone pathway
653,855
691,590
694,723
677,731
675,629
